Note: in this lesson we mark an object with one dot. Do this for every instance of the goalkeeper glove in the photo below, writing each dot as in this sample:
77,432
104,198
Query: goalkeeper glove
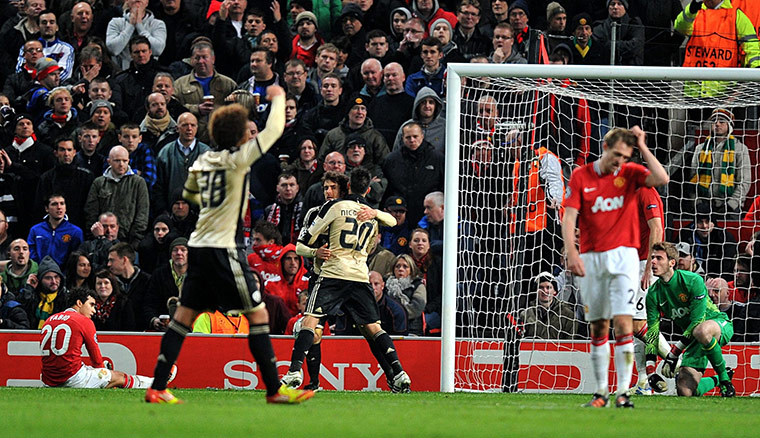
671,360
657,383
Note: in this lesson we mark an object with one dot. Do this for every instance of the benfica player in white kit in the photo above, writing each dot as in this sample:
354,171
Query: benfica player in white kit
602,198
62,338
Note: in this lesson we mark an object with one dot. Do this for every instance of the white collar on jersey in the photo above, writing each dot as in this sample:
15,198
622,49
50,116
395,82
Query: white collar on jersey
598,168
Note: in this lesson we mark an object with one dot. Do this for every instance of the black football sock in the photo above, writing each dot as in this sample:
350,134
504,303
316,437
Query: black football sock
388,351
304,341
313,362
261,348
378,353
171,344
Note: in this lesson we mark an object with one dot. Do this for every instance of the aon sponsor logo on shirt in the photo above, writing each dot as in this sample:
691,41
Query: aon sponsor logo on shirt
607,204
678,312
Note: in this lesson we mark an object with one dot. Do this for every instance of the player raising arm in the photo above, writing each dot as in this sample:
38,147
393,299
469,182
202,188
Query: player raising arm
602,198
343,283
682,297
62,338
219,277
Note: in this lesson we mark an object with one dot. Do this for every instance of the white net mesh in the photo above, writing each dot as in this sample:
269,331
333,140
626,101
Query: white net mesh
509,232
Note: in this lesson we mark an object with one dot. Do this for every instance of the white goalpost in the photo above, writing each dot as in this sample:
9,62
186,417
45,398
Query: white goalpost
496,238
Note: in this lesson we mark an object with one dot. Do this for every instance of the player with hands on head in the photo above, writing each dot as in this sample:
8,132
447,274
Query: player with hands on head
602,199
682,297
63,336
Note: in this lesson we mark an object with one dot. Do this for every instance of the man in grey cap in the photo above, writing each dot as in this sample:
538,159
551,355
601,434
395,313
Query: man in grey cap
165,283
686,260
101,113
307,41
351,22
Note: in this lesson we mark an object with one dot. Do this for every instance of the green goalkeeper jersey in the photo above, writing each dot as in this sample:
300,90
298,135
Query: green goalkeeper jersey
684,300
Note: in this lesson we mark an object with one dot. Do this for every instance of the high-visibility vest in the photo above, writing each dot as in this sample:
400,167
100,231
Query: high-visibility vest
228,325
713,42
751,9
535,216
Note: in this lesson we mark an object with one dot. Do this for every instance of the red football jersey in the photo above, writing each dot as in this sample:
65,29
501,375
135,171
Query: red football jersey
607,208
62,337
650,207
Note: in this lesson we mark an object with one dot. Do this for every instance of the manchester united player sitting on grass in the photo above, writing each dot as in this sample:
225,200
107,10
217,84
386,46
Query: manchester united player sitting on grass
682,297
62,338
602,197
218,275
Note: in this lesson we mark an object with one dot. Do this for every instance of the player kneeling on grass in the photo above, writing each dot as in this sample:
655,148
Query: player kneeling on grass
682,297
62,338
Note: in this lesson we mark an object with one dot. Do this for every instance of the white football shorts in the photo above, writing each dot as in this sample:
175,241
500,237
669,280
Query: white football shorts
89,377
611,283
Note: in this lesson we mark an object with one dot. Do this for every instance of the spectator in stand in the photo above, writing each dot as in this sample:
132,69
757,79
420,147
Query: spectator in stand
183,217
78,271
15,31
105,234
137,20
174,160
431,74
556,28
549,317
99,89
686,260
69,179
396,239
267,250
182,25
429,11
443,31
398,18
329,112
519,15
467,35
88,156
164,83
122,191
193,88
314,196
427,113
307,39
101,114
723,187
377,47
306,168
295,79
279,315
134,84
22,79
154,250
326,61
60,120
714,248
419,250
392,315
113,312
414,170
140,156
133,282
433,219
29,159
586,52
227,35
286,147
499,14
351,21
12,315
165,282
294,279
52,47
44,293
5,238
158,128
372,80
410,48
406,287
660,47
629,43
286,212
504,51
741,287
47,78
19,268
356,156
380,259
356,122
261,67
55,236
79,28
389,111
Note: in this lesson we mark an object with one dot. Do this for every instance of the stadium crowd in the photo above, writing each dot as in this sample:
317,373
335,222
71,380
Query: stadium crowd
105,106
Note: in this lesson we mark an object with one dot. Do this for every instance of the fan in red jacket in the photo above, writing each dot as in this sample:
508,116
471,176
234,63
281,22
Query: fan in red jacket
267,251
294,278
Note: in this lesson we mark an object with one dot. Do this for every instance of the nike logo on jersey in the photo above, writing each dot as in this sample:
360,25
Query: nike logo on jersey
588,189
607,204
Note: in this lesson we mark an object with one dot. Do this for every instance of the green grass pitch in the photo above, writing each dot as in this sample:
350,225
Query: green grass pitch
45,412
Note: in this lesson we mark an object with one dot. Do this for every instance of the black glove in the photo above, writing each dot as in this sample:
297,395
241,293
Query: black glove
695,6
657,383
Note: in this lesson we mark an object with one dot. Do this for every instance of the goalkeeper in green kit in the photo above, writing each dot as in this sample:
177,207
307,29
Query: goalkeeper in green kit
682,297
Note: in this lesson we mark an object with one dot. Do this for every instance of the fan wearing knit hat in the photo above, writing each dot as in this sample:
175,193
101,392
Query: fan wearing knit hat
722,166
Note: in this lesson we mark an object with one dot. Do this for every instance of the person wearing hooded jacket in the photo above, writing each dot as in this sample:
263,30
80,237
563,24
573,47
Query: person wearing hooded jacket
430,11
12,314
432,121
294,278
136,21
356,122
121,191
47,297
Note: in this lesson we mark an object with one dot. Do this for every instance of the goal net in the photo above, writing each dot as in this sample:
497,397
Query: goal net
515,133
